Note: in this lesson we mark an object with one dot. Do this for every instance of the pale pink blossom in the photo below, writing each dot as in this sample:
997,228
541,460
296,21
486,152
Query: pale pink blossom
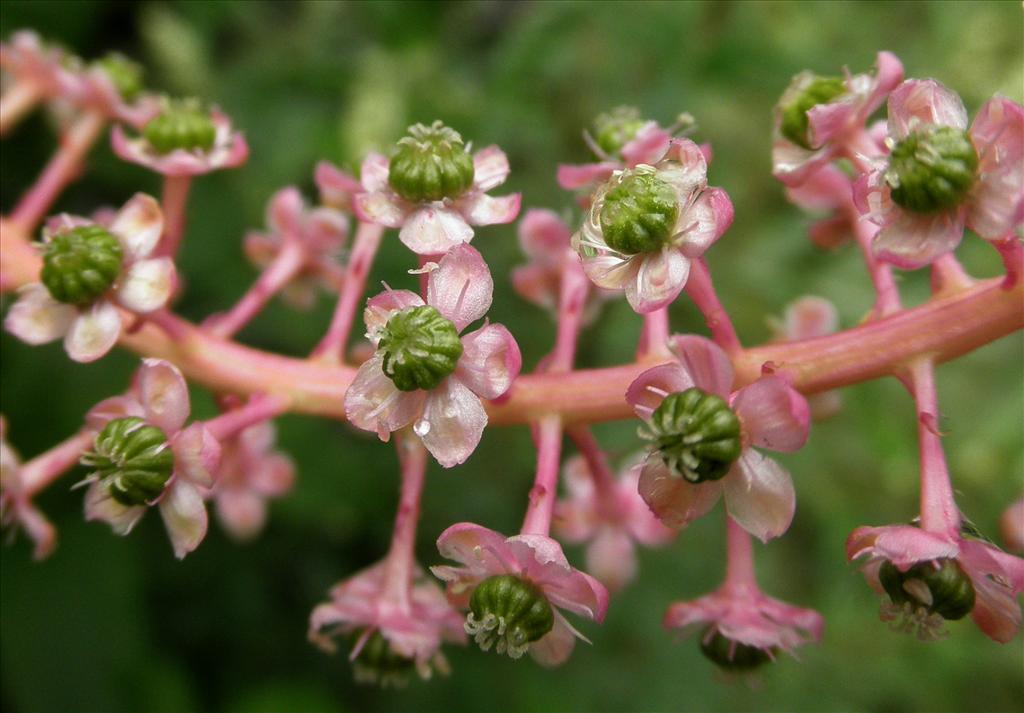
415,629
16,507
229,150
758,491
435,227
143,286
652,280
832,124
337,188
250,473
28,59
449,418
648,146
806,318
997,577
611,524
536,559
159,396
1011,526
991,207
825,192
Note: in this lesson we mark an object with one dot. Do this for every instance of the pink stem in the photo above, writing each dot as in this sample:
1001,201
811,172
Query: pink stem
654,337
259,409
16,102
61,170
939,512
286,265
545,485
571,300
401,557
332,347
605,485
739,569
1012,252
172,201
702,291
949,276
45,468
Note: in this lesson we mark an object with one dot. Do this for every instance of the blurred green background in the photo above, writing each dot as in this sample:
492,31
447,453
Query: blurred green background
117,624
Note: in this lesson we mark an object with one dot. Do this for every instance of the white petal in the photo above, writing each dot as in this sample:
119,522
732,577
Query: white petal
146,285
99,505
184,515
138,225
453,422
759,495
164,395
434,231
659,279
490,168
461,287
37,318
93,332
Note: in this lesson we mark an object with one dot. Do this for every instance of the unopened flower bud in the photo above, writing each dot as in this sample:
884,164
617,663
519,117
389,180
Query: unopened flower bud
181,126
932,170
378,663
696,434
134,458
639,212
124,74
732,655
431,164
81,264
510,612
421,347
804,94
617,128
940,587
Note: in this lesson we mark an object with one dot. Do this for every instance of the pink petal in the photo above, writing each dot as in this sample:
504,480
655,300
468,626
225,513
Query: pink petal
241,512
99,505
284,211
382,208
980,558
707,364
555,647
380,308
903,545
453,422
484,552
705,222
919,103
40,530
196,455
690,173
461,286
373,403
827,122
543,235
138,226
824,190
809,317
146,285
37,318
164,395
114,407
888,75
648,146
184,515
793,164
490,361
572,177
759,495
275,476
611,557
336,187
566,587
93,332
911,241
482,209
374,173
574,520
649,389
998,135
490,168
774,415
611,271
660,277
538,284
430,230
674,500
996,611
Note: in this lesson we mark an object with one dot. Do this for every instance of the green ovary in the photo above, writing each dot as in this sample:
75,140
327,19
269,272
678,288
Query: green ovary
430,165
134,458
81,264
932,170
795,124
421,348
639,213
696,434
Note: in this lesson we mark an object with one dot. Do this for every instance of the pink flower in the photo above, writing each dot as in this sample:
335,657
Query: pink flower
16,508
229,150
1011,526
988,180
250,473
435,227
825,191
995,577
830,124
534,559
91,328
413,629
31,61
337,188
611,523
653,270
806,318
320,233
447,415
159,397
758,491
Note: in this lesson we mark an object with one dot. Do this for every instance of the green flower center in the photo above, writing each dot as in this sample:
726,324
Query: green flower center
940,587
378,663
181,126
431,164
820,90
639,213
732,655
125,74
696,434
134,458
81,264
508,613
421,347
932,170
616,128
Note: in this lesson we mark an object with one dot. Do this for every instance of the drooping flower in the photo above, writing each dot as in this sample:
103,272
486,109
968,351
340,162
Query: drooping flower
143,455
646,224
183,140
929,578
434,190
816,115
514,588
88,272
702,440
390,639
806,318
16,508
250,473
940,176
611,523
423,372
